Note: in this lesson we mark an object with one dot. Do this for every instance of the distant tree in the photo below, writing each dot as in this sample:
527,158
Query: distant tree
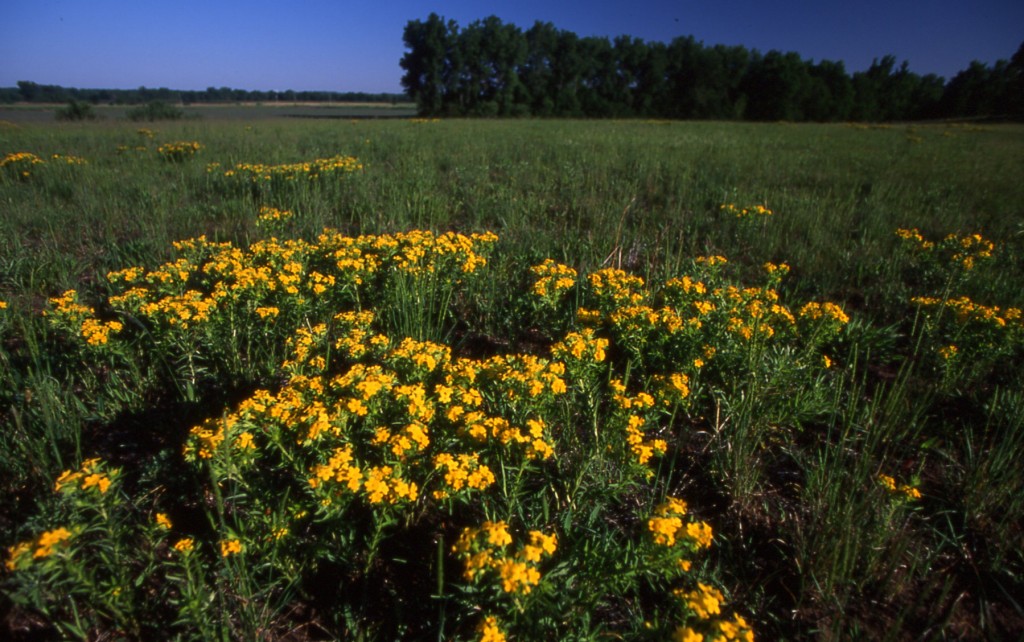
968,93
776,86
882,92
829,94
718,91
537,73
424,63
491,68
651,81
568,68
926,97
1015,84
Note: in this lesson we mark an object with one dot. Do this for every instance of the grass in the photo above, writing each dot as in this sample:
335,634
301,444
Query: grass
855,463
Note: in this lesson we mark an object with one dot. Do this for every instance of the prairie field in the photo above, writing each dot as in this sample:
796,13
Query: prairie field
377,378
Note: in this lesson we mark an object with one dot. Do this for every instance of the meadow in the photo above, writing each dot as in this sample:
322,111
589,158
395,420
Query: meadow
310,379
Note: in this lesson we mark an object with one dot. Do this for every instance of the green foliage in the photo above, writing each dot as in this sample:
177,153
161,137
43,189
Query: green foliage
76,110
489,68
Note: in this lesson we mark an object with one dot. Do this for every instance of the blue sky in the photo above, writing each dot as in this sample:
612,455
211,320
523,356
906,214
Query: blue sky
356,45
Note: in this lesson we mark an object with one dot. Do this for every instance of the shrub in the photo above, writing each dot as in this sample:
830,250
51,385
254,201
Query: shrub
76,110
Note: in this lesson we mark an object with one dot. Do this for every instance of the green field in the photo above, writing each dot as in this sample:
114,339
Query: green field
770,383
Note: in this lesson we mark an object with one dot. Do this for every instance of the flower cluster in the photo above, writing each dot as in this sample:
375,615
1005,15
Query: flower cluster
67,159
822,320
905,490
45,545
553,280
963,252
490,630
674,538
583,346
314,170
704,603
668,529
971,336
271,215
752,211
92,474
486,553
633,414
179,151
968,312
20,165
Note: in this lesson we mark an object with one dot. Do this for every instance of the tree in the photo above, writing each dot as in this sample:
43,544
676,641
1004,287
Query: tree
775,86
424,63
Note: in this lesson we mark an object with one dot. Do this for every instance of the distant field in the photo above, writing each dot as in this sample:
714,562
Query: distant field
534,379
35,113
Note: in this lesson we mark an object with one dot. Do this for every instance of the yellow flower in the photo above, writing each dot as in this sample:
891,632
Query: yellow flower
99,480
700,532
705,601
497,533
490,631
686,634
50,539
184,545
230,547
15,554
163,521
664,529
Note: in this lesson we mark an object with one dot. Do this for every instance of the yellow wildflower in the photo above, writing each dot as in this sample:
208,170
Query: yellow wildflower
184,545
230,547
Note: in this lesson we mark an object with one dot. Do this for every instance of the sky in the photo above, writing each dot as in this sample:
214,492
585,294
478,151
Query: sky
355,45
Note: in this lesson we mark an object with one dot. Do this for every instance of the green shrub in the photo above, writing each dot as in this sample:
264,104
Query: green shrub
76,110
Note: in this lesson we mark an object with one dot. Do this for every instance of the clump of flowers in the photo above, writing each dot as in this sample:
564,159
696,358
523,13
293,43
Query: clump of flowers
822,319
19,165
752,211
314,170
67,159
905,491
179,151
553,280
962,252
583,347
93,474
490,630
971,332
671,530
269,216
487,553
674,538
634,414
20,555
462,472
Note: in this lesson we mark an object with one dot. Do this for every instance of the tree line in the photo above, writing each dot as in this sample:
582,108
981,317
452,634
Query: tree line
31,92
491,68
